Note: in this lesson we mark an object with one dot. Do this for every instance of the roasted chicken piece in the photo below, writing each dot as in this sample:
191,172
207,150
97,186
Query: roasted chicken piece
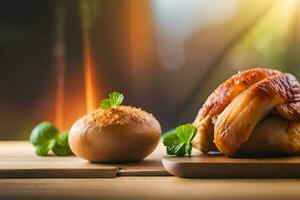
229,116
219,100
273,135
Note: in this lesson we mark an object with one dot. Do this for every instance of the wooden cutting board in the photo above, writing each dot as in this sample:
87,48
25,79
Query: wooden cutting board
18,160
219,166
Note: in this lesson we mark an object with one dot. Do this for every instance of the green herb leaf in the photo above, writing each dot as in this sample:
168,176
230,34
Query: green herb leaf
186,132
62,139
45,138
60,150
42,149
43,133
61,146
114,100
178,142
170,138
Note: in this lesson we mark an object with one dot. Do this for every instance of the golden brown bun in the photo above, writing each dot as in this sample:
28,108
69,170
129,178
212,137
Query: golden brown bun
121,134
230,114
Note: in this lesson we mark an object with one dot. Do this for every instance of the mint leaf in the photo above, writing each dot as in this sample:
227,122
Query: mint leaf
178,142
114,100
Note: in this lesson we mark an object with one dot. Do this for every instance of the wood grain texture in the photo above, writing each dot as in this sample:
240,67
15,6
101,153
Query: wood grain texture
18,160
219,166
149,188
151,166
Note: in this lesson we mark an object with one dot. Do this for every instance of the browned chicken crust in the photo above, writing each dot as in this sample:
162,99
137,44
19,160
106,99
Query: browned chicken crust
219,100
235,124
273,135
233,110
232,87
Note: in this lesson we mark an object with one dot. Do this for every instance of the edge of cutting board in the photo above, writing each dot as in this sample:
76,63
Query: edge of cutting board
219,166
109,172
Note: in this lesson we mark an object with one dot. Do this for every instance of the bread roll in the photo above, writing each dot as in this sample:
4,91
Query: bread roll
121,134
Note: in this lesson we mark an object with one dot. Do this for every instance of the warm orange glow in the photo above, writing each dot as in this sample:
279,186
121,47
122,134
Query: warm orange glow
140,31
89,70
59,59
73,98
59,104
89,78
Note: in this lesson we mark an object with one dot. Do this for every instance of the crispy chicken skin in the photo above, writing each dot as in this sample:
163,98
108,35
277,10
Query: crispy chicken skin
235,124
290,111
232,112
219,100
273,135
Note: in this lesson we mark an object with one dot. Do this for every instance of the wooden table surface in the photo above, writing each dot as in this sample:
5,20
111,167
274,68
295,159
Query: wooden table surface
18,160
144,187
149,188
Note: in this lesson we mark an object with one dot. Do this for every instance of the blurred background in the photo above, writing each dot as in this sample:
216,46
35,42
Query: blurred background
58,58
